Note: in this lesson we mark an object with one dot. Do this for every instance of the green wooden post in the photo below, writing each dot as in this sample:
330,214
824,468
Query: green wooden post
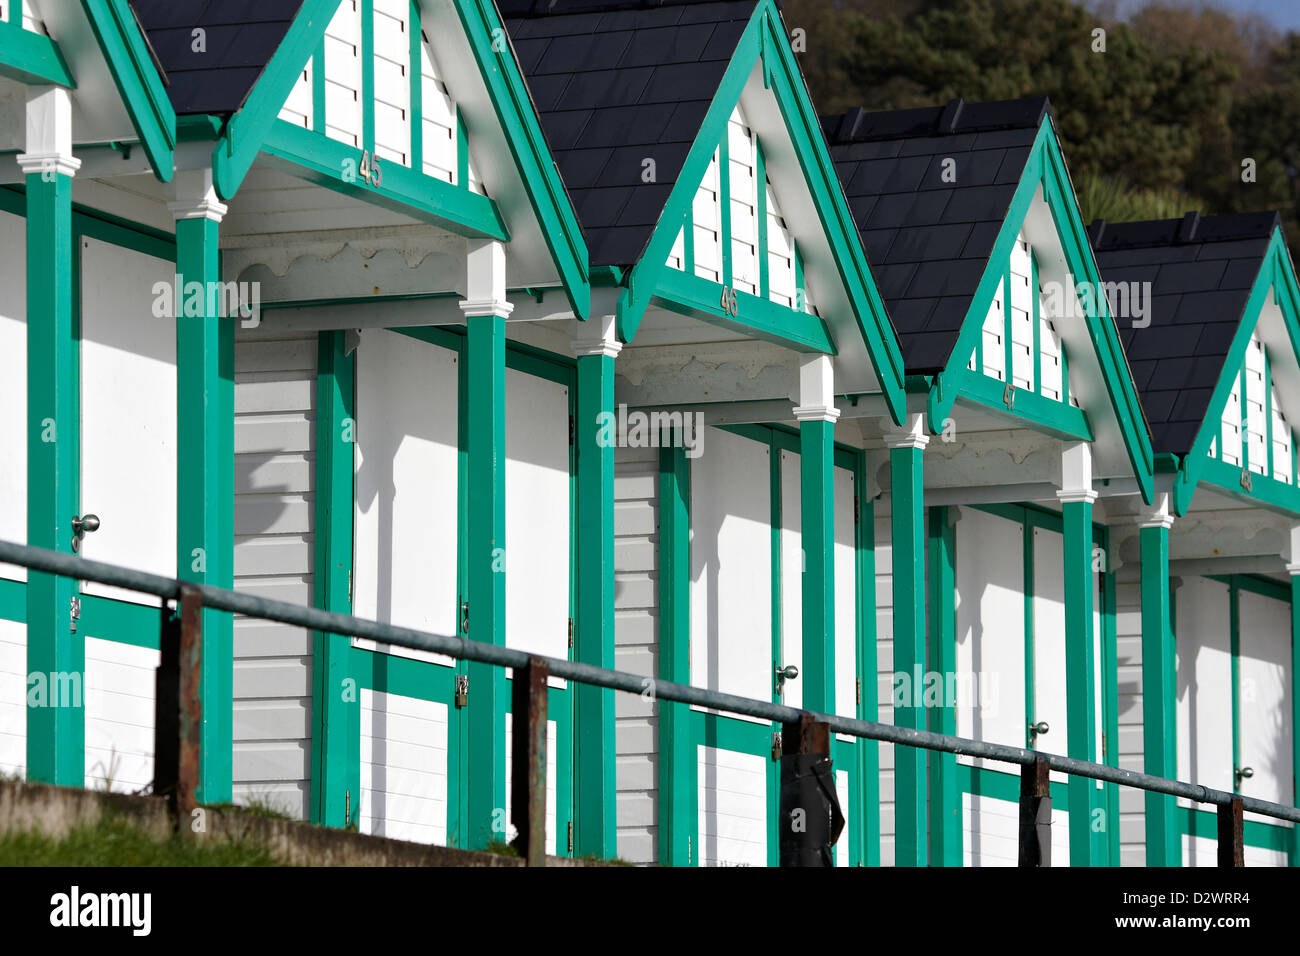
1084,796
945,795
907,517
205,456
596,794
817,491
1159,691
485,361
336,711
55,651
678,819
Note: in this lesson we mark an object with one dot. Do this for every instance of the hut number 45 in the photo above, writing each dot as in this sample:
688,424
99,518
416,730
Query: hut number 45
369,169
729,303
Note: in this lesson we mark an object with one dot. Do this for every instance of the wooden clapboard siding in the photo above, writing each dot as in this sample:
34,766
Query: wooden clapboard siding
343,113
1128,641
885,669
274,499
403,767
636,649
13,690
119,705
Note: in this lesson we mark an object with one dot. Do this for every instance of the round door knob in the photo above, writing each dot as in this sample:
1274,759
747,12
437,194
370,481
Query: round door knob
1039,728
86,524
1245,773
789,672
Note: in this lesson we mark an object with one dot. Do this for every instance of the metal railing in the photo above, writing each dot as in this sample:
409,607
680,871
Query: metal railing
177,738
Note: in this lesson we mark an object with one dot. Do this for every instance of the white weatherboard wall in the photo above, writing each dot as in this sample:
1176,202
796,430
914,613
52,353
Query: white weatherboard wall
732,808
13,389
636,649
128,414
403,767
13,690
119,701
1128,643
275,457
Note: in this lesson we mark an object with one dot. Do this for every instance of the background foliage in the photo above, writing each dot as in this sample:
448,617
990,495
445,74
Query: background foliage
1155,126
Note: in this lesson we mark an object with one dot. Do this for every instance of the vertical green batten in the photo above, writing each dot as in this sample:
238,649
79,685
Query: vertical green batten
1084,797
368,76
205,455
724,202
945,794
595,830
678,819
760,177
55,734
908,520
1159,703
817,518
486,532
336,709
416,70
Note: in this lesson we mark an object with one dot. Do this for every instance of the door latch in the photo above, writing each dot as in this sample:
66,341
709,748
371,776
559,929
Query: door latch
464,618
74,612
783,674
462,690
83,525
1037,730
776,745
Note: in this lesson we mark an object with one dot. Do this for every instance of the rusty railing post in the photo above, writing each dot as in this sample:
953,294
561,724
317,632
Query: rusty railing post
178,716
1232,844
811,820
528,770
1035,813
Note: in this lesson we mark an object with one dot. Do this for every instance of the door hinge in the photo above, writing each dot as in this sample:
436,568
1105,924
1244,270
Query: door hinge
570,632
689,849
858,691
349,589
74,609
462,690
857,514
571,427
570,836
464,618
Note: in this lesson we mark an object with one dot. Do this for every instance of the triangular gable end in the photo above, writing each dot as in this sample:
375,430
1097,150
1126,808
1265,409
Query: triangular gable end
318,82
1062,362
758,166
1248,438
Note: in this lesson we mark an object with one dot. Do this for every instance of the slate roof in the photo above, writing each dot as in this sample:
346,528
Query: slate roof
1201,270
928,241
242,36
616,83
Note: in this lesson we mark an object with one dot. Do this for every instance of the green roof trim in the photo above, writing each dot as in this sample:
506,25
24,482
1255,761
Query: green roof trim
1046,168
249,128
129,60
32,58
514,107
765,41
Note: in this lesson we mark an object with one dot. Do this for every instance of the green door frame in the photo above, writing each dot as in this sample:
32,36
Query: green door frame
954,779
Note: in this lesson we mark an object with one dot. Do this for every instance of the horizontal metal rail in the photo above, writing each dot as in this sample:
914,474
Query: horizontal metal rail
54,562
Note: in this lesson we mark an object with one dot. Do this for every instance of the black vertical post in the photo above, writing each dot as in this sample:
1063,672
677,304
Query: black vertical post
1035,813
1232,844
178,709
528,769
810,820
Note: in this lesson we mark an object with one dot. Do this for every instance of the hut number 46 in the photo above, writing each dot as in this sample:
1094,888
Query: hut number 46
729,303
